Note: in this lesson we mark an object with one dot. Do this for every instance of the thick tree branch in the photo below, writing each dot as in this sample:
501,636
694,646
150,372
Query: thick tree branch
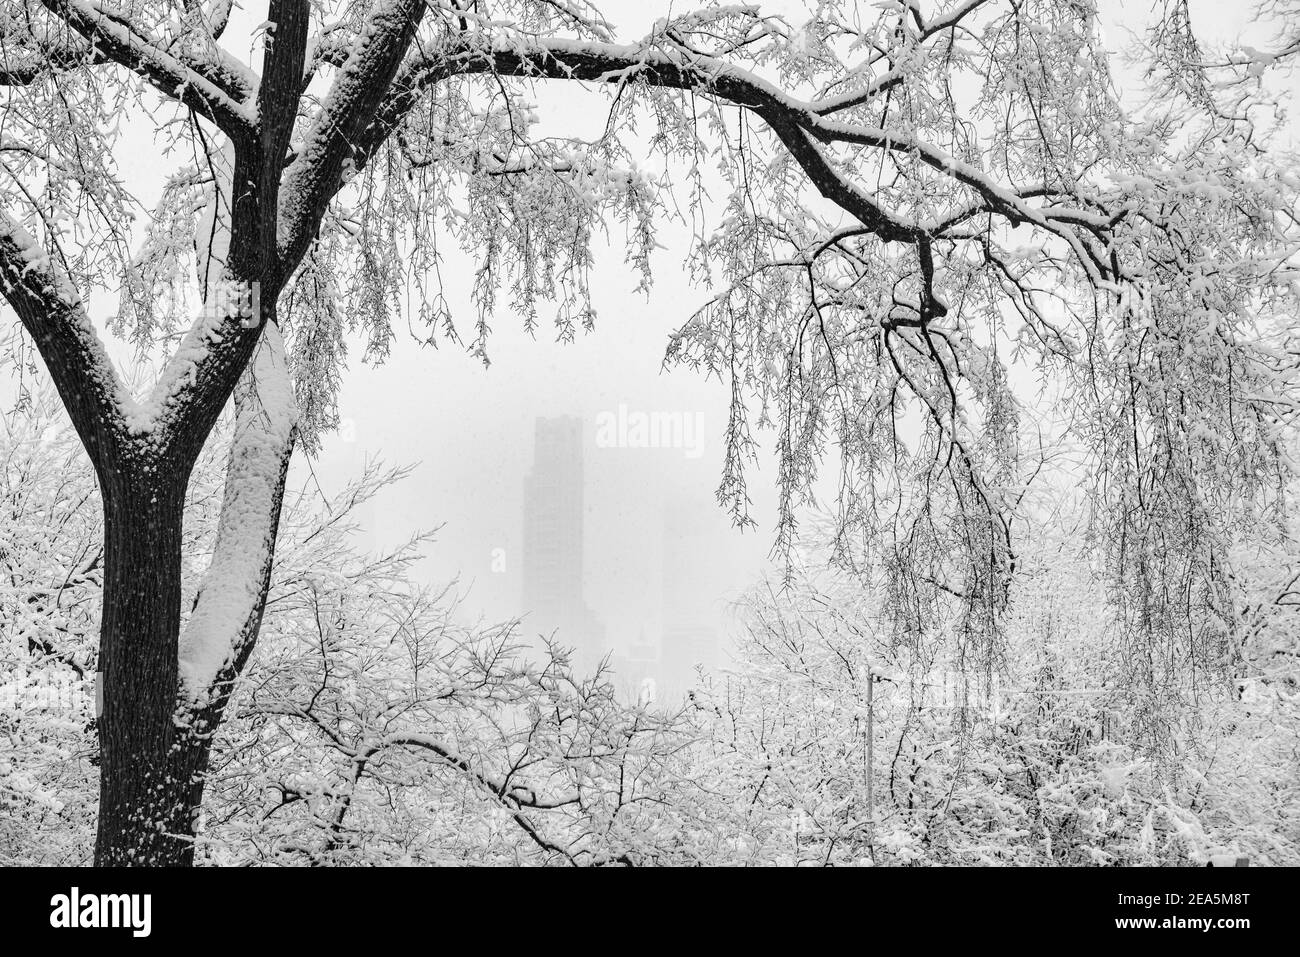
798,124
210,93
53,315
219,636
349,108
20,69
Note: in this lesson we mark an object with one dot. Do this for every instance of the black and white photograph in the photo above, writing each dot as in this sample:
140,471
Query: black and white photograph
660,434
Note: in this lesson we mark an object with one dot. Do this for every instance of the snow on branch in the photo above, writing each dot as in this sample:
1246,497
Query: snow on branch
52,312
214,88
220,632
21,69
799,124
350,106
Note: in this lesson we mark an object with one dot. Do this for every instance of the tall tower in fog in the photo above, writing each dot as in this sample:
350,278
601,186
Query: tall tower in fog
553,533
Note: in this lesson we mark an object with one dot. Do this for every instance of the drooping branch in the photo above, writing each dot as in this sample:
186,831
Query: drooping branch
800,125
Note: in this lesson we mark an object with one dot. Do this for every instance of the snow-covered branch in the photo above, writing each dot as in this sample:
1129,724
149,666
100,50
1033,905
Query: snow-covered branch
800,125
54,316
214,92
220,633
322,159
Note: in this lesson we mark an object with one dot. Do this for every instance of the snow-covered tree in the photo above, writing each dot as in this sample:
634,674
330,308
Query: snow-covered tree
845,740
913,200
51,553
1223,75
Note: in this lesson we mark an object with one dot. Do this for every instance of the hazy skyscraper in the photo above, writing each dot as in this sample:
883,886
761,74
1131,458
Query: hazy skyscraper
553,540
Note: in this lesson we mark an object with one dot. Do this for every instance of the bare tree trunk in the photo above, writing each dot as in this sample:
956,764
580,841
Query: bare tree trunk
145,812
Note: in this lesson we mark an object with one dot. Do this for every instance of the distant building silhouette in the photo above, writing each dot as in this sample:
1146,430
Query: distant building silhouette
553,536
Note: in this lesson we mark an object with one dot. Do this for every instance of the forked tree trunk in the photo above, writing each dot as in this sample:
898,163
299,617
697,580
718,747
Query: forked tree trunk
163,693
147,763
